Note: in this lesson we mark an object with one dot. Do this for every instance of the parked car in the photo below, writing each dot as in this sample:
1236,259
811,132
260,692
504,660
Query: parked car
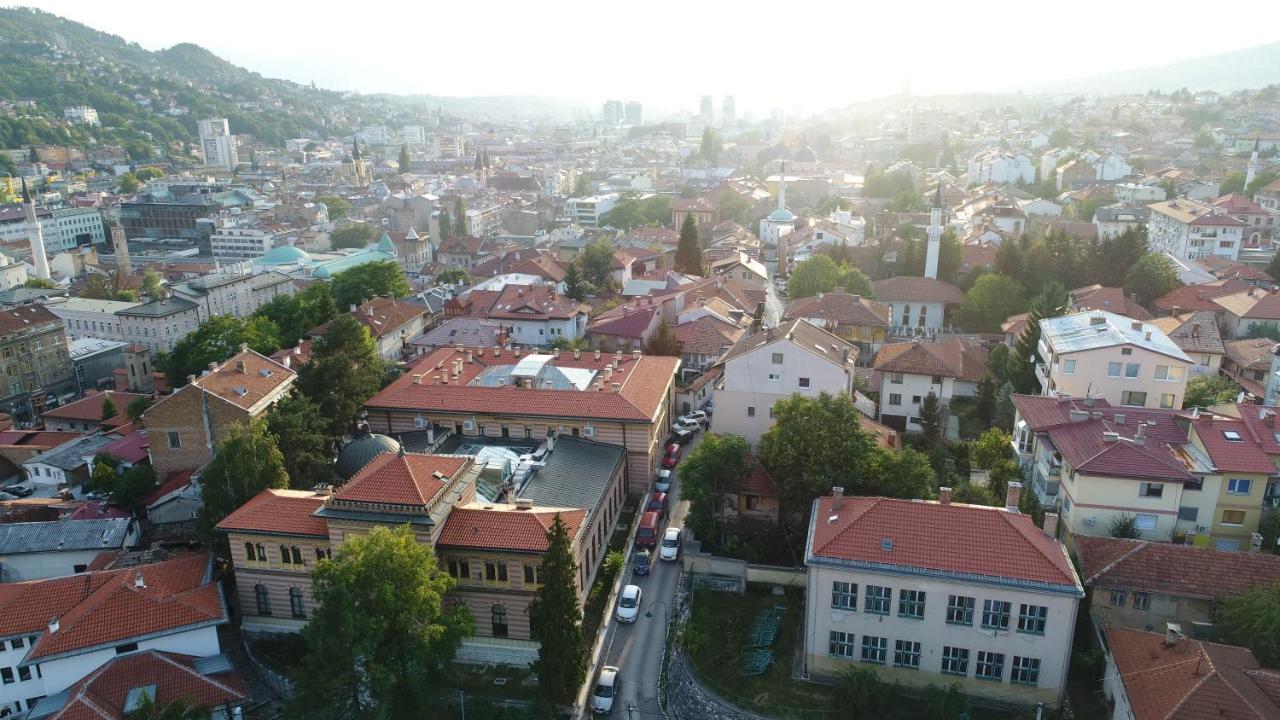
681,423
680,435
658,503
7,496
641,563
629,604
697,416
672,456
662,481
647,534
670,545
19,490
607,688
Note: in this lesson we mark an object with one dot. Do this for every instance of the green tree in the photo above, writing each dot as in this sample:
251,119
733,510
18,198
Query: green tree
1252,619
356,235
931,420
1273,267
575,286
1260,181
446,227
128,183
296,315
178,709
1152,276
247,462
689,250
136,407
1060,137
1234,183
733,207
710,148
905,473
625,215
656,209
663,341
950,257
404,158
153,285
909,200
1125,525
108,409
39,283
215,341
149,173
596,260
368,280
1208,390
381,631
459,217
854,281
1204,140
338,207
302,434
816,443
555,621
345,370
991,300
818,274
714,468
991,447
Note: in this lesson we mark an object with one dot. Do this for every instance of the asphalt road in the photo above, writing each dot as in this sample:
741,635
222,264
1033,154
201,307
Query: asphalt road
637,649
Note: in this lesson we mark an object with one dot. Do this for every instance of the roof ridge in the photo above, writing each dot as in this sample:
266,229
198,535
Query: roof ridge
1031,536
1140,544
1213,672
192,671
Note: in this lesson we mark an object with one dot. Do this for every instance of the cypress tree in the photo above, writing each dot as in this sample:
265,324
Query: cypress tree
555,620
404,158
689,251
460,217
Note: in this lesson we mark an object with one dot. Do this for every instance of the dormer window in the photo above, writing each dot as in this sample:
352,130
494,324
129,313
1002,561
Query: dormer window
1231,435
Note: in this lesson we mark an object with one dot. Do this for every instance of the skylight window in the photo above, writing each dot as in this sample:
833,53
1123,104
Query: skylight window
1231,435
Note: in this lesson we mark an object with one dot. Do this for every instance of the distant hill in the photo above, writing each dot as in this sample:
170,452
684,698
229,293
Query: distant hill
1250,68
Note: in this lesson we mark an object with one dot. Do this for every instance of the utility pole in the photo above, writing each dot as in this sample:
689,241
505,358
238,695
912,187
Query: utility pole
462,704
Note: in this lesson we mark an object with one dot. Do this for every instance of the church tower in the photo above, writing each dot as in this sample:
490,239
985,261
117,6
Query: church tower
35,234
935,236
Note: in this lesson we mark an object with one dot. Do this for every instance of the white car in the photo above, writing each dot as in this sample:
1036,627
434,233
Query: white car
607,688
697,416
684,425
670,549
629,604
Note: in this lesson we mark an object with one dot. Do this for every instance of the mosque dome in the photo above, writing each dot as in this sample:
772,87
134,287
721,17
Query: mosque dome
285,255
782,215
361,451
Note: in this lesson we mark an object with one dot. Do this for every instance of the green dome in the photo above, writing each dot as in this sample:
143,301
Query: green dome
782,215
361,451
285,255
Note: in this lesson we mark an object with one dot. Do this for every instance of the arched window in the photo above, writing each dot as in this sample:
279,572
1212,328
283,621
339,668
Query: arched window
499,621
264,599
923,309
297,555
906,315
295,603
262,553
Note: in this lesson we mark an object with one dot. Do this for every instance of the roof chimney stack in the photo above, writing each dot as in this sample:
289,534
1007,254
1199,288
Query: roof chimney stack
1012,497
1051,525
944,495
837,491
53,625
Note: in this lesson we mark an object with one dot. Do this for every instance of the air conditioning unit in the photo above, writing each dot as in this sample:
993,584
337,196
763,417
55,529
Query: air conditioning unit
468,426
1090,522
419,422
588,431
1202,528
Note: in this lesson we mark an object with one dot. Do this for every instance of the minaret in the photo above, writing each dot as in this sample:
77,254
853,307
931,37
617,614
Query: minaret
36,234
782,188
935,236
1253,167
120,245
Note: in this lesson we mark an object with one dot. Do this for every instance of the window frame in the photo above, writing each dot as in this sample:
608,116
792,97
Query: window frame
961,613
848,592
1232,483
906,654
838,642
953,656
878,600
874,650
999,610
1032,619
911,604
1024,671
992,662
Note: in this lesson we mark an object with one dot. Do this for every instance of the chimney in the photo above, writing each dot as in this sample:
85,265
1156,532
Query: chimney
1141,437
417,378
240,366
597,354
635,354
1012,496
837,491
527,383
138,582
213,366
353,307
577,354
471,357
1051,525
1136,325
53,625
616,386
323,490
457,346
944,496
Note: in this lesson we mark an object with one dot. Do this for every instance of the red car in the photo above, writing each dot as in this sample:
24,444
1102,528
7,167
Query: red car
672,456
658,504
647,535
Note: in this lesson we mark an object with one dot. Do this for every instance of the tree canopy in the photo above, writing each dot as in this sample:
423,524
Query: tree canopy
1252,619
216,340
596,262
338,207
247,462
354,286
689,250
380,631
555,621
1208,390
663,341
296,315
815,443
715,467
992,299
302,434
1152,276
345,370
355,235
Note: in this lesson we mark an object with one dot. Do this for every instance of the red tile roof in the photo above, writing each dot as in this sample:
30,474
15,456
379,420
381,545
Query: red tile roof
1172,569
758,481
533,302
1251,353
949,358
1243,456
1261,421
395,479
1088,449
108,608
1198,297
952,538
707,335
131,448
385,316
632,322
841,308
916,289
1251,304
504,527
261,376
172,483
1110,299
1191,680
90,408
101,694
284,512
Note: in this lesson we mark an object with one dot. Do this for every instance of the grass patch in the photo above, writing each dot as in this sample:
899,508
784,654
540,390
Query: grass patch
478,681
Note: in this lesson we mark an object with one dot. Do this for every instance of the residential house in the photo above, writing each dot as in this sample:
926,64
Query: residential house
176,499
702,210
87,413
1197,296
38,550
1224,505
1268,196
742,267
391,324
626,327
1261,223
1196,333
755,501
1153,676
1222,269
35,360
911,588
917,305
761,369
908,372
1115,219
60,630
67,466
852,318
186,427
533,314
1193,230
1105,355
1142,584
1109,299
1248,363
1243,310
87,318
705,340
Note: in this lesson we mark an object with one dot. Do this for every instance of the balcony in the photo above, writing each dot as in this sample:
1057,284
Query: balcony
1042,374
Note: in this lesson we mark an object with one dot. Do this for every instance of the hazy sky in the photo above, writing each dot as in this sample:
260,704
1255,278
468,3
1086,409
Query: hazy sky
793,54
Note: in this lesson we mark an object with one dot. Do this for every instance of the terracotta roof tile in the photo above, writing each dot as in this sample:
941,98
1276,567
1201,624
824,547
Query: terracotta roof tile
260,377
916,289
707,335
840,308
287,512
102,693
504,527
396,479
1194,332
1251,353
384,316
950,358
1198,297
951,538
90,407
1172,569
1110,299
1244,455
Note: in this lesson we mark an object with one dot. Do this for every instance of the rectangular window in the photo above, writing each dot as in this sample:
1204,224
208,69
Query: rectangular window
6,674
1113,369
1239,486
530,575
1117,598
895,378
1032,618
1167,400
906,654
775,377
1162,372
895,398
1188,514
1133,398
495,571
804,382
1141,601
911,604
1025,671
1152,490
878,599
955,661
777,358
995,614
990,666
17,643
24,672
844,596
1126,351
936,380
840,645
960,610
1145,521
1068,367
175,440
1232,517
874,649
751,411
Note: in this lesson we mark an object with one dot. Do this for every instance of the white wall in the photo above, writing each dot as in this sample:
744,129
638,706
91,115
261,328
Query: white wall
933,314
1091,375
747,384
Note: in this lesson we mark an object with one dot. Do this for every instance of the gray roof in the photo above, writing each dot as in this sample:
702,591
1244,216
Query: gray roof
65,535
470,331
576,474
159,308
1120,213
1194,332
1093,329
71,454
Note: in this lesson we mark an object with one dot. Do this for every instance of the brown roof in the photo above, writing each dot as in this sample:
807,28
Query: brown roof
950,358
917,289
840,308
384,316
803,333
1251,353
90,407
1172,569
24,316
1110,299
533,302
402,479
707,335
1199,297
1194,332
101,694
1191,679
279,512
245,379
506,527
1251,304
